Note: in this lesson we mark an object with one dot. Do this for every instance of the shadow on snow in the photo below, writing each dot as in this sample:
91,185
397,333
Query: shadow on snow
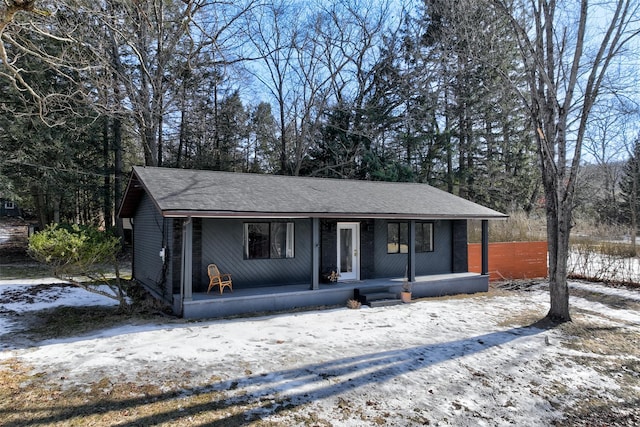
270,393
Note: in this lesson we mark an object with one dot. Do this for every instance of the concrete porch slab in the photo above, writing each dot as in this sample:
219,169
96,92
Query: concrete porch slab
289,297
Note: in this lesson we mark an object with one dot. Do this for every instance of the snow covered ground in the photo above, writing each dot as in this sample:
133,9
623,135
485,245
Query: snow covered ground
462,361
585,262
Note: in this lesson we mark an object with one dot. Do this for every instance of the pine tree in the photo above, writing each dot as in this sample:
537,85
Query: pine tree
630,187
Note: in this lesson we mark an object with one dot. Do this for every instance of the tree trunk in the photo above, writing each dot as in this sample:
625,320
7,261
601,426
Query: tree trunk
108,201
160,124
183,126
56,209
118,167
41,206
558,230
283,137
633,201
449,148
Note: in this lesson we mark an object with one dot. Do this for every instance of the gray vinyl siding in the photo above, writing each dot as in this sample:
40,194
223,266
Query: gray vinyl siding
394,265
459,246
438,261
148,230
222,244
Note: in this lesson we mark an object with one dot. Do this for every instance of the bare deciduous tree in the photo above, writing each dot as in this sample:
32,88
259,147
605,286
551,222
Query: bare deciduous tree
274,31
8,13
566,60
29,33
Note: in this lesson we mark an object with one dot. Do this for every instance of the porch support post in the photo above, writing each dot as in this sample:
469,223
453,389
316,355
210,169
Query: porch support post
485,247
187,260
315,253
411,264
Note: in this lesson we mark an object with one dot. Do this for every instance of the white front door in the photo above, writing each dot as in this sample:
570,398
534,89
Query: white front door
348,250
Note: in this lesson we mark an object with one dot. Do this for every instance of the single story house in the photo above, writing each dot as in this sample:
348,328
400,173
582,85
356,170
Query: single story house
293,242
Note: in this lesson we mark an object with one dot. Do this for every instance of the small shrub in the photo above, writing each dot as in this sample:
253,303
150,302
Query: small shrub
81,255
353,304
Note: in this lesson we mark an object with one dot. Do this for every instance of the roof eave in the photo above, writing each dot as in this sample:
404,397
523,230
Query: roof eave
127,205
132,195
362,215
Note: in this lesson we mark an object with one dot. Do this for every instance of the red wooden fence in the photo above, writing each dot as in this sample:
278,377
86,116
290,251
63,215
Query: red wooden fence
511,260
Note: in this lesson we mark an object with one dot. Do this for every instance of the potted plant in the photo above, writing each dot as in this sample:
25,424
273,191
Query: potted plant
405,294
329,276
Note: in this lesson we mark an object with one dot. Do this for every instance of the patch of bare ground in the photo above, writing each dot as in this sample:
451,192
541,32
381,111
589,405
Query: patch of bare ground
69,321
525,285
66,322
30,398
612,301
607,344
33,399
613,350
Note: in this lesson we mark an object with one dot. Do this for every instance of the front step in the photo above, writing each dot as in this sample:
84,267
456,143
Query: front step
380,295
384,302
377,297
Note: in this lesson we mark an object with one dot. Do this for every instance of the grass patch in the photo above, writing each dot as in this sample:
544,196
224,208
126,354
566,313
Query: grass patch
613,352
519,227
64,322
29,398
592,411
523,319
610,348
612,301
583,244
32,270
601,339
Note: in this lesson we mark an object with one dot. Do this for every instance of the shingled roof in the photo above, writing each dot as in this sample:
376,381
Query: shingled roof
198,193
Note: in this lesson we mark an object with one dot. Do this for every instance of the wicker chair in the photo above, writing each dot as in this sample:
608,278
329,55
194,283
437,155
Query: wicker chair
218,279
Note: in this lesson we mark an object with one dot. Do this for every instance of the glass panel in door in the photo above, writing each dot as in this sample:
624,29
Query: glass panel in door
346,250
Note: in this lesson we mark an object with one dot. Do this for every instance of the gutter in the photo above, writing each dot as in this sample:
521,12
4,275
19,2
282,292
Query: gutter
270,215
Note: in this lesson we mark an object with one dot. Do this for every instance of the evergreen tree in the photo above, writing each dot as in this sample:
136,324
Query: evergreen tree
462,129
53,166
231,134
261,151
630,188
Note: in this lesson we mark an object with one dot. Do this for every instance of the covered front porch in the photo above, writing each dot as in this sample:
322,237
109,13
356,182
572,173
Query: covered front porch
259,299
288,297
